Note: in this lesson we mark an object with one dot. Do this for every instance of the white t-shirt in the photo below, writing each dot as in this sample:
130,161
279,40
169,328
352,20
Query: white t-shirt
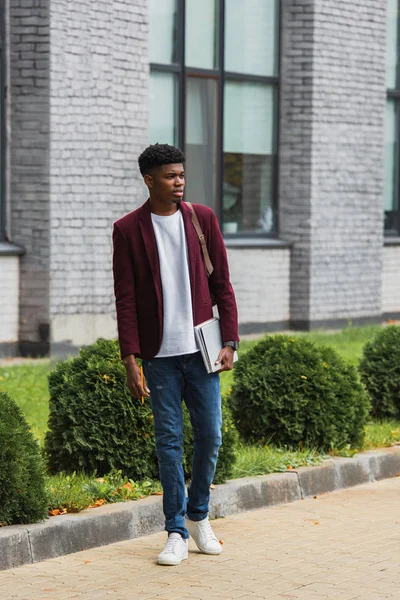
178,333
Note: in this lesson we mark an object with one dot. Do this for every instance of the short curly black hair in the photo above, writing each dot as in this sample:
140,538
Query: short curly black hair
157,155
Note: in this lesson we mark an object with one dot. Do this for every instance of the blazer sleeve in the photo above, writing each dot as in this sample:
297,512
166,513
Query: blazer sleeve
220,283
125,298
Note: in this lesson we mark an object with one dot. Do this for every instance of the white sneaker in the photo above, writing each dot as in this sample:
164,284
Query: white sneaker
175,550
204,536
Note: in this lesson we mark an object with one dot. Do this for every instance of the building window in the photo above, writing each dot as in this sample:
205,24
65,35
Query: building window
392,128
214,93
2,129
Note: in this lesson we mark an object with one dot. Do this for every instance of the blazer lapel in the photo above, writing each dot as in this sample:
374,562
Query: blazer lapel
149,240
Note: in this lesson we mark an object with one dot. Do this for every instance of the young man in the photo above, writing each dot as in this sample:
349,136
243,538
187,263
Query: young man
162,292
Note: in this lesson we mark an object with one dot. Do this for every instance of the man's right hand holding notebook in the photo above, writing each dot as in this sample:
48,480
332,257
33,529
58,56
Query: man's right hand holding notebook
225,358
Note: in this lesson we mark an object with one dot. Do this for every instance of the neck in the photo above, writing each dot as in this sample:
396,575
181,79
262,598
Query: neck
164,209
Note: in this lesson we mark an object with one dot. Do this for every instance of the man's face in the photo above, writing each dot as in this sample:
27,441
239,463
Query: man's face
166,183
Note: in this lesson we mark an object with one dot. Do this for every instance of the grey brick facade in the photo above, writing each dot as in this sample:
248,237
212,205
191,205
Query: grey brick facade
78,120
98,114
29,140
333,97
77,104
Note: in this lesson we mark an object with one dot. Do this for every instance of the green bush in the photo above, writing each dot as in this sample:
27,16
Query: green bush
96,426
291,391
22,486
380,372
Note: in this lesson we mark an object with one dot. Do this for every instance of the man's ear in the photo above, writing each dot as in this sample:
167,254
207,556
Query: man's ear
148,181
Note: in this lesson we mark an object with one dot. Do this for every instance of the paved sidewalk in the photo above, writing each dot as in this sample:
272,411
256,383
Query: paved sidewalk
341,546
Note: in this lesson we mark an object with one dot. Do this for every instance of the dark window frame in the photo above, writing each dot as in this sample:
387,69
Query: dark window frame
182,71
394,94
3,208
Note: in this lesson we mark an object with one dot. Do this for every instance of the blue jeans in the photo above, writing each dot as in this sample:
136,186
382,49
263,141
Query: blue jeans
170,380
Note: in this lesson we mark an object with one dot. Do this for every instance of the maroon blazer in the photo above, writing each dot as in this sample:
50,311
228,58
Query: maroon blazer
137,280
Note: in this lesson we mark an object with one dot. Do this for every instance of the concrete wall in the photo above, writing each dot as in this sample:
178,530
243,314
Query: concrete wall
261,280
332,150
391,281
9,322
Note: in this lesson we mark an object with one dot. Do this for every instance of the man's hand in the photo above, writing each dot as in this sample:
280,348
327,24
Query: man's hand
225,358
136,384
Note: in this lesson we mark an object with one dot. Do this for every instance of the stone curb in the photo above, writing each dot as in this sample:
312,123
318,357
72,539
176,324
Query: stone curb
22,544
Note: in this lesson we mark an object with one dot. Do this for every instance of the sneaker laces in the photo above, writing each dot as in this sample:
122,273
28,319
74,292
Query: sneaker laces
207,531
172,542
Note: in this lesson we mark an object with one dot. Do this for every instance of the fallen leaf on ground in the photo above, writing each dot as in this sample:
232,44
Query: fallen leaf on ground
128,486
57,511
98,503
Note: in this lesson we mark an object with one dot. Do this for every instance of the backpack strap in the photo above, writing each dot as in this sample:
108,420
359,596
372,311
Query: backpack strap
207,261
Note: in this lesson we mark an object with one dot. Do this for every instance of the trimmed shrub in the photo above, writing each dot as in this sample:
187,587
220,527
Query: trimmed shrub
291,391
380,372
96,426
22,485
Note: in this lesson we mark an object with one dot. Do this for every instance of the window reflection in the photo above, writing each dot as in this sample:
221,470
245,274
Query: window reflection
163,109
251,37
391,161
201,39
249,158
392,43
163,16
201,141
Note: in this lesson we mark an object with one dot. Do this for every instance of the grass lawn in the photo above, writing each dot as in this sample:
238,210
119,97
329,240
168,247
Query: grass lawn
349,342
27,385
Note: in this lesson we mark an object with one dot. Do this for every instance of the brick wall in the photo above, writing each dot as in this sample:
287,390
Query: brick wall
98,104
78,74
391,280
332,140
78,102
28,152
295,146
260,278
